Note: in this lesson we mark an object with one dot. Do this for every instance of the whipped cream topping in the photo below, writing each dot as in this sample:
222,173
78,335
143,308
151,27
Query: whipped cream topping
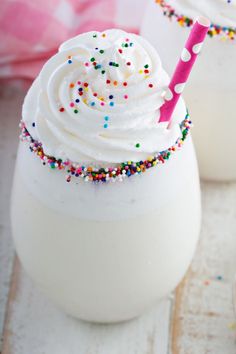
98,100
220,12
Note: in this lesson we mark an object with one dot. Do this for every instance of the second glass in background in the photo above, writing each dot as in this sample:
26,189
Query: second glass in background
210,96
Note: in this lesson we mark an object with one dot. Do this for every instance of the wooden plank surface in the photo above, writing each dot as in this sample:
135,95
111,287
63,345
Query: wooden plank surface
10,113
203,317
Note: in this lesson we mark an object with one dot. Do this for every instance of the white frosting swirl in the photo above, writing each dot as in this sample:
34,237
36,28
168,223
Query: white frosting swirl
114,120
220,12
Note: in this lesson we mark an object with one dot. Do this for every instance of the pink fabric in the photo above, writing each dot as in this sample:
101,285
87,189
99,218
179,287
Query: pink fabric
31,31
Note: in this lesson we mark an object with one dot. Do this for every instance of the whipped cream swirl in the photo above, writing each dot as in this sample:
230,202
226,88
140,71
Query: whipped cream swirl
220,12
98,99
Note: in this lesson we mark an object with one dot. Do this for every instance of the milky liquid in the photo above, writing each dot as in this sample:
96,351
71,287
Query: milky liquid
210,94
106,252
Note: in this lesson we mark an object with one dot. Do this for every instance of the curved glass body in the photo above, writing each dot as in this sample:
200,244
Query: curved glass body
106,252
210,95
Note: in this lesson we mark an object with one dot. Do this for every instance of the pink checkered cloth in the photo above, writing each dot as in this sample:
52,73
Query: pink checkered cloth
31,31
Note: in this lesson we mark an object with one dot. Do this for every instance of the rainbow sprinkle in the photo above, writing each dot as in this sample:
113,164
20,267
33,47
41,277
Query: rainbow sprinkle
81,88
119,172
184,21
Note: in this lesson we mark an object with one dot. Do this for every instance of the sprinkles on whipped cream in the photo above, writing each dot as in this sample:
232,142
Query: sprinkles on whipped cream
119,172
83,87
184,21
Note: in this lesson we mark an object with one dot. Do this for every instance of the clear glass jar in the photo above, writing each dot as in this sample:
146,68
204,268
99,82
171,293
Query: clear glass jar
106,252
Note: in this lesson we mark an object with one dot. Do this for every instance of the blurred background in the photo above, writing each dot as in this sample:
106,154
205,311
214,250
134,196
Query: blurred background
31,31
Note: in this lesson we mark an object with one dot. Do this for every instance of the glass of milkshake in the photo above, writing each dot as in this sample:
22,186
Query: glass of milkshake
211,93
106,201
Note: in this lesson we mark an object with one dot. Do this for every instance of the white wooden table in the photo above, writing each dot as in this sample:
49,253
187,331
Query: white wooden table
197,319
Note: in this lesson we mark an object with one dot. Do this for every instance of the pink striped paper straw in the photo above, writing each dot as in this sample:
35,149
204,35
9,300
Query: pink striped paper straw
189,54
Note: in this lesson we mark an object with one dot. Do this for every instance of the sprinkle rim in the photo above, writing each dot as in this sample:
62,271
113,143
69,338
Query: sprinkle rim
105,174
215,30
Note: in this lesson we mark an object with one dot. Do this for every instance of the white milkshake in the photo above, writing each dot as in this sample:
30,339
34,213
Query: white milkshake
211,93
104,251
